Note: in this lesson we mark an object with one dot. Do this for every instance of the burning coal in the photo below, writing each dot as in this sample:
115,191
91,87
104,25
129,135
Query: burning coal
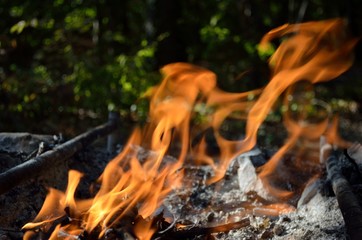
134,186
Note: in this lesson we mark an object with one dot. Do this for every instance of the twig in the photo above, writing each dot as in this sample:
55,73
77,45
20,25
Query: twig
37,165
184,233
347,200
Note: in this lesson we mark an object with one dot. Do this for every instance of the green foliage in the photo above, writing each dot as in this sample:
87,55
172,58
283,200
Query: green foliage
117,83
80,19
64,56
265,50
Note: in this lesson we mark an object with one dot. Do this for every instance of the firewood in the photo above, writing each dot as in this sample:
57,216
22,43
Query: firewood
348,202
39,164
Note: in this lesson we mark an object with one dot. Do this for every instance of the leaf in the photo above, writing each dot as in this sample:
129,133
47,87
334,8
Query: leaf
265,50
18,27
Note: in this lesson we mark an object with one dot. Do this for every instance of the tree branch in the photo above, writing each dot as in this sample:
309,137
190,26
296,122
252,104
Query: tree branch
36,166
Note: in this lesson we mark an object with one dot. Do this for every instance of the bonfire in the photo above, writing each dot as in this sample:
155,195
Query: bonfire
157,166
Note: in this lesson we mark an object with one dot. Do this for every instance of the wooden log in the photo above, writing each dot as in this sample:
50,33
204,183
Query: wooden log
348,202
37,165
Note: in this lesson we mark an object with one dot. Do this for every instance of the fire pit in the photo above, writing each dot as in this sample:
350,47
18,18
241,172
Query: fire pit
188,174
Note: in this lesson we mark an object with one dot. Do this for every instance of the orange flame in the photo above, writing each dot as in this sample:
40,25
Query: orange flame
315,51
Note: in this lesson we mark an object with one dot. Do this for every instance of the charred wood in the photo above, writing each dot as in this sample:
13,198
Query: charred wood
39,164
347,200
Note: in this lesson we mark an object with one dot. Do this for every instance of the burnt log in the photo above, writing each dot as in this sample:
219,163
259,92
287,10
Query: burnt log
38,165
348,202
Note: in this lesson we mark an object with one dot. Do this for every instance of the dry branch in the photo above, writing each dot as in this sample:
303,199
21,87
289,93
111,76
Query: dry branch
348,202
36,166
191,232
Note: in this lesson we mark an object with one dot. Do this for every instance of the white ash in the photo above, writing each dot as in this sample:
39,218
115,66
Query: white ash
321,219
317,217
248,179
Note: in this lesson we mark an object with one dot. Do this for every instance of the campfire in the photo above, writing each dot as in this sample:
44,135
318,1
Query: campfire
188,173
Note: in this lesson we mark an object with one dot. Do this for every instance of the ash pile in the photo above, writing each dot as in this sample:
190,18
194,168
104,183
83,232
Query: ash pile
236,207
314,212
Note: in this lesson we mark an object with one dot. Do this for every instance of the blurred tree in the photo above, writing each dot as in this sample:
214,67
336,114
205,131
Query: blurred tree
76,59
166,22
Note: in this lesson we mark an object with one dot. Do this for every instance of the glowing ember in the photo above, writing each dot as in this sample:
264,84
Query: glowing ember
135,187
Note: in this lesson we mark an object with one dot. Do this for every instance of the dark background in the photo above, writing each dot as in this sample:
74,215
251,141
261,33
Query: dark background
64,64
